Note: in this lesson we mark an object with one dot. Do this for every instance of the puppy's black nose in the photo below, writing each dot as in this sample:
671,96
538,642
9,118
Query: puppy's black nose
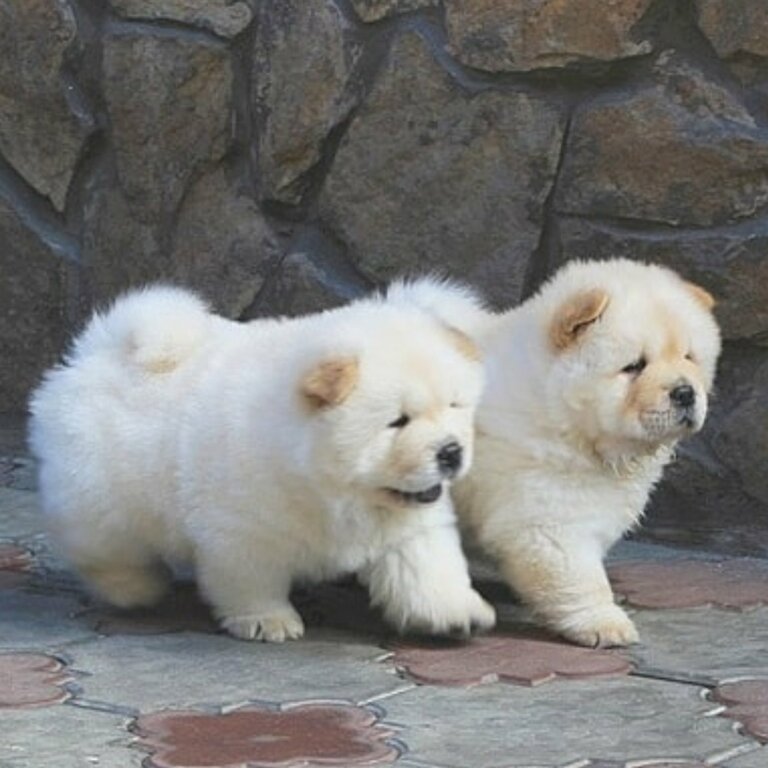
683,395
449,458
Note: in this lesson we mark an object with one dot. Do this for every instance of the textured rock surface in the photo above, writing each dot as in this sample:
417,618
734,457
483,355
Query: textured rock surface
429,177
302,61
735,26
283,156
373,10
543,33
224,17
224,248
168,101
682,150
32,331
39,133
616,719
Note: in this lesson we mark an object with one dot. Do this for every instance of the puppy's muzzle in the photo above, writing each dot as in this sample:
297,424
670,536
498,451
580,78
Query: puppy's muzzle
683,399
683,396
449,459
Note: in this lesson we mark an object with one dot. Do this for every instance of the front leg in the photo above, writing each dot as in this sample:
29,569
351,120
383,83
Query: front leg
422,584
248,587
560,574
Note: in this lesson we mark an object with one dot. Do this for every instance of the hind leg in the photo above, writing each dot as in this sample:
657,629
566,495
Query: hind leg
126,585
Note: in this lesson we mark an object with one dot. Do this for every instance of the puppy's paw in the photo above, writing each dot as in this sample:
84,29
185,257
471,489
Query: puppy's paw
601,627
274,627
460,614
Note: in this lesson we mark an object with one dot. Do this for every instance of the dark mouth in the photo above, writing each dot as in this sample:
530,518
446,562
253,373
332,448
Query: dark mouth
420,497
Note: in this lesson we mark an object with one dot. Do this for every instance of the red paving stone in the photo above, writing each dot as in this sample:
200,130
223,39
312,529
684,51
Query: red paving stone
692,583
14,564
31,680
299,735
518,660
747,702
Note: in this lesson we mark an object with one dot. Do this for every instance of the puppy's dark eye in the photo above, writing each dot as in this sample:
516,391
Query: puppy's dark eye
635,368
690,357
399,423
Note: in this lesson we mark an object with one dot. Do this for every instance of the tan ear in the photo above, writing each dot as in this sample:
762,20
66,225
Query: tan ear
576,315
703,296
464,344
330,382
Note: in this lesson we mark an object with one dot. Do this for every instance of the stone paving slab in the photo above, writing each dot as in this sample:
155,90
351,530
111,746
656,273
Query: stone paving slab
703,644
757,758
39,620
186,669
19,514
501,725
65,737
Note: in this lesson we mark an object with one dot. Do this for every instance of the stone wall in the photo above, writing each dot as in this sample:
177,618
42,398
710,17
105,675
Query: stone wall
285,155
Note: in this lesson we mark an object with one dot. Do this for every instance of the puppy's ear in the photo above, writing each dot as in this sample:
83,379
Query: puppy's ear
329,383
463,344
575,315
701,295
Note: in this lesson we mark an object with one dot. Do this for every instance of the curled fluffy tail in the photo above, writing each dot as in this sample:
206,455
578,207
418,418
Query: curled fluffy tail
154,328
453,304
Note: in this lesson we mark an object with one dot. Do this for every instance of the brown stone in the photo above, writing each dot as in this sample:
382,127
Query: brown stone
169,107
300,287
732,584
302,61
33,309
313,276
302,734
517,660
31,680
747,702
429,177
119,251
39,134
738,437
224,17
223,247
682,150
735,26
373,10
15,562
500,37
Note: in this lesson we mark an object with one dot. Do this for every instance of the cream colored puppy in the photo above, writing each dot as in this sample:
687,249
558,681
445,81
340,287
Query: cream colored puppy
591,383
265,454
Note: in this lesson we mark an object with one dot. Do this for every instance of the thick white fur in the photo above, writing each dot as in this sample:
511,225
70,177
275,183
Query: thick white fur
171,435
564,464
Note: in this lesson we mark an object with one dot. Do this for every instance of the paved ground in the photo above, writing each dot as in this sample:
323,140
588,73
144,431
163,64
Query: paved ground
81,685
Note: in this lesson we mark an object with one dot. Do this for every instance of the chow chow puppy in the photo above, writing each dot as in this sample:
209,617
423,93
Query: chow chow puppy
590,385
264,454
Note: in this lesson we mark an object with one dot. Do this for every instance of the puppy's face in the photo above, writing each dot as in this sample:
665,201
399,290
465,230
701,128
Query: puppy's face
634,368
395,422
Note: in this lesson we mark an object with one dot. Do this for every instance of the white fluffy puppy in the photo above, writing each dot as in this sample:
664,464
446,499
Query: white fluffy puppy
591,383
265,454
